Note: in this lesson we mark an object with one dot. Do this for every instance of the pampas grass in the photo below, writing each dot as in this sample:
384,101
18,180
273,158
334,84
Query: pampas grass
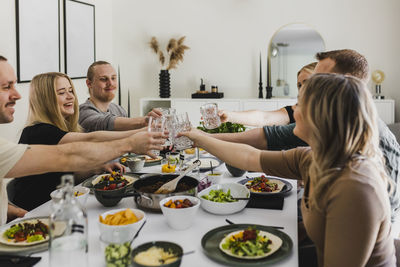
175,52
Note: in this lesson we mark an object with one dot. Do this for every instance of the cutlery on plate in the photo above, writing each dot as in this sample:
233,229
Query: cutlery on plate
276,227
162,261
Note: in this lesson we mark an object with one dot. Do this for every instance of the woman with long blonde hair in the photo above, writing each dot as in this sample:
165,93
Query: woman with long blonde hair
53,119
345,206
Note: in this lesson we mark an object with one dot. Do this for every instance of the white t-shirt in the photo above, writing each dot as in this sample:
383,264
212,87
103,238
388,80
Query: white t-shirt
10,153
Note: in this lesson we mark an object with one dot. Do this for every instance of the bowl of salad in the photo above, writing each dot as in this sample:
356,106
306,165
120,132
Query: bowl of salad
221,198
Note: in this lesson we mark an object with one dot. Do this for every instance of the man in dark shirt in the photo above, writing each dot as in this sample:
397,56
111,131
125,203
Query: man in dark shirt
281,137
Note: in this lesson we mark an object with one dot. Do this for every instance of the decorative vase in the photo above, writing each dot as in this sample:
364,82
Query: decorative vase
165,88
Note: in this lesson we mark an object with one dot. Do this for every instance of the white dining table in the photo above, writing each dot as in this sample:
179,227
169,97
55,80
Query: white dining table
157,229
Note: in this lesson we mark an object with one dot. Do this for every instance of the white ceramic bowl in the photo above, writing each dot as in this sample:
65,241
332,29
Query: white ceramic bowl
214,178
237,190
136,164
118,234
81,190
180,219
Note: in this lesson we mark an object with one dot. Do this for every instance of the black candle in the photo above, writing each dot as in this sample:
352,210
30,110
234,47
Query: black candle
268,71
260,70
129,105
119,88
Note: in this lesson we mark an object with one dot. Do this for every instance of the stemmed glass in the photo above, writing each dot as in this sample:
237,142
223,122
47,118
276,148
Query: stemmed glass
156,125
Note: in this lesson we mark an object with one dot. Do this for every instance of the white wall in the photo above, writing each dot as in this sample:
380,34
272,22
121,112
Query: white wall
104,50
226,36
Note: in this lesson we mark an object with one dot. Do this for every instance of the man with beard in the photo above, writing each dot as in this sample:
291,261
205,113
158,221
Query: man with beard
17,160
98,112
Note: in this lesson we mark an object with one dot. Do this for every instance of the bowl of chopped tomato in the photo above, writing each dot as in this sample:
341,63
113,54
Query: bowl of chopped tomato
110,193
180,211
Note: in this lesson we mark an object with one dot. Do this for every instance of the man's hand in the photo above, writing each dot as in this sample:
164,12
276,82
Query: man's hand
223,115
109,167
155,113
15,212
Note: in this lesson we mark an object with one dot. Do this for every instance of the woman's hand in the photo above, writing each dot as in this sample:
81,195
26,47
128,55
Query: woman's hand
195,135
113,166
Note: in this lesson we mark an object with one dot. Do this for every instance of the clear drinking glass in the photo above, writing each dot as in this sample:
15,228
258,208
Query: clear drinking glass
169,125
209,112
182,125
156,125
68,229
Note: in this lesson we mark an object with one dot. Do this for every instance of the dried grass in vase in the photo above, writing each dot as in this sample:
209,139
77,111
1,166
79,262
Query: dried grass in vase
175,51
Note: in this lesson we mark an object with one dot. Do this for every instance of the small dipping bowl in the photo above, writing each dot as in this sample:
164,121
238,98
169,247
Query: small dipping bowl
136,164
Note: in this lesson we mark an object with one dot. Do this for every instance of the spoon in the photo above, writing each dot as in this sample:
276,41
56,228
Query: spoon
211,167
276,227
171,185
137,233
162,261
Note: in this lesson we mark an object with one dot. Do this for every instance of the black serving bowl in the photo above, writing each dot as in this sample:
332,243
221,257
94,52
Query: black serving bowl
167,246
235,171
109,198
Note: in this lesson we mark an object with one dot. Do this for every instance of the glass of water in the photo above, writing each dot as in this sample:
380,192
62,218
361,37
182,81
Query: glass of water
209,112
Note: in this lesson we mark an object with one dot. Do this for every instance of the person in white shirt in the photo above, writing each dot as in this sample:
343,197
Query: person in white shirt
21,160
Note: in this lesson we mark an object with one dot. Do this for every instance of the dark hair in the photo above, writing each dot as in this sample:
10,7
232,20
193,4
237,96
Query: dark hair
2,58
90,72
347,61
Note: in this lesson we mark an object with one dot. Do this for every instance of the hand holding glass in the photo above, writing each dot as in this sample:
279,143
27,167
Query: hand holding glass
209,112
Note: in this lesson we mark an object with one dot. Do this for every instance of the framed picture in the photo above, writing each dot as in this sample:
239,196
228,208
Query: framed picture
79,37
38,37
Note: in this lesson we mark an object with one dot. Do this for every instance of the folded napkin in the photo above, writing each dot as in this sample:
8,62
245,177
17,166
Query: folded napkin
265,202
18,261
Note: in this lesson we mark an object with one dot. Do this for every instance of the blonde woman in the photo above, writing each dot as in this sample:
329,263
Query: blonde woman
345,206
53,119
261,118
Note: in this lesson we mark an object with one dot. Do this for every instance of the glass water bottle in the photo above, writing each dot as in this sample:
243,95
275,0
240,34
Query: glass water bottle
68,229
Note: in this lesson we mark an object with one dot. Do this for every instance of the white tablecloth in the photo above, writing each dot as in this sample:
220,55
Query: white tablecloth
156,228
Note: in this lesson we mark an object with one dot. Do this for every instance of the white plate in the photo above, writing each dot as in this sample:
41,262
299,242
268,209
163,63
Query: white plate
60,227
276,244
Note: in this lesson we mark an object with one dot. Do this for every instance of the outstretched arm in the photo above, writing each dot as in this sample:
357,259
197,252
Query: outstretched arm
123,124
80,156
255,138
239,155
98,136
256,118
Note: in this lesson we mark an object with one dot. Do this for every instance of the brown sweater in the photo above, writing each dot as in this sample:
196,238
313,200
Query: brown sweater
353,228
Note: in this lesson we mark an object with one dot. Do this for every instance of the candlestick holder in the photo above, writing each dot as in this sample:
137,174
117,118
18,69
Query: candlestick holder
260,90
269,92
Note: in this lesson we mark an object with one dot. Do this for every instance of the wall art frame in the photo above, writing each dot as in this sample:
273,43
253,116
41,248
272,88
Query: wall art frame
79,38
38,37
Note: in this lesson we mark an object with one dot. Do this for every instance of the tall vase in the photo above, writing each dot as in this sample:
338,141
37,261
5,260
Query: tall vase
165,88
